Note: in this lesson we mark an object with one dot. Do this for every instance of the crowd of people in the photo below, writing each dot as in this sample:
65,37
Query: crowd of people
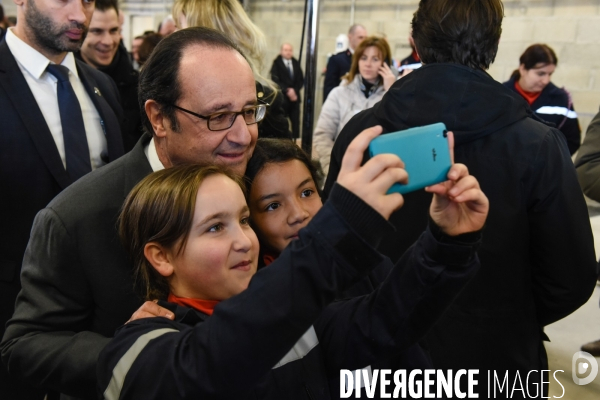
157,246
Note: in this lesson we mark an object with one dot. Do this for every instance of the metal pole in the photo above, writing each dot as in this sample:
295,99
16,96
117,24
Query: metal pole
311,74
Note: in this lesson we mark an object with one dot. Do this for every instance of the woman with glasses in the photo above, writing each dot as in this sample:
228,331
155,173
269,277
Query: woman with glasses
229,17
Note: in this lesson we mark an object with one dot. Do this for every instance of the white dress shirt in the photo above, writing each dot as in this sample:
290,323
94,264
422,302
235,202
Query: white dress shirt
43,85
152,157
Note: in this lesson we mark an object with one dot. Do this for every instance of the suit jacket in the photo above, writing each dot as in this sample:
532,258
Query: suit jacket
75,250
337,66
281,76
31,170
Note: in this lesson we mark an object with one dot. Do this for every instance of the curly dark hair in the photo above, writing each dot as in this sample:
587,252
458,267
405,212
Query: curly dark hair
465,32
270,150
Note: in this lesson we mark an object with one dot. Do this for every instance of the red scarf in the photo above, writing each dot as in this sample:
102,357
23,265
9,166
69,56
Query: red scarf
205,306
529,96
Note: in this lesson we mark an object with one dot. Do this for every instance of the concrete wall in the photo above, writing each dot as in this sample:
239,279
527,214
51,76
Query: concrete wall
571,27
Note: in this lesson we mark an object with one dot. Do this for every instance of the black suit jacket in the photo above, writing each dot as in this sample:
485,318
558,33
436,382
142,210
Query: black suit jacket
281,76
337,66
31,170
77,281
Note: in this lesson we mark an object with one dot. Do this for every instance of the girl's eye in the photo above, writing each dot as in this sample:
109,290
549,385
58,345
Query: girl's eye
216,228
272,207
307,192
245,221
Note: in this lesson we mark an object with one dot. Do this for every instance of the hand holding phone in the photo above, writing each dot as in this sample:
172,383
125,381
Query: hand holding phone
370,182
424,150
458,205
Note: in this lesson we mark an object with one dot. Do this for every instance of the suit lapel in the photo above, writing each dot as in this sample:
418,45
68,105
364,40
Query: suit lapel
17,90
110,125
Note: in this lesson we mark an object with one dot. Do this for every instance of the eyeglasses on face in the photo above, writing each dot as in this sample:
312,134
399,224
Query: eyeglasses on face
224,120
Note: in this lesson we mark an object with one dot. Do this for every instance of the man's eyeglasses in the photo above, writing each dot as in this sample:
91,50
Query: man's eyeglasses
224,120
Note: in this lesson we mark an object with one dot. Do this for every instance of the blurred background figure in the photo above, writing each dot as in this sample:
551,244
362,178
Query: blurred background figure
103,49
339,64
363,86
287,74
549,102
229,17
588,173
148,44
3,23
135,48
167,26
413,61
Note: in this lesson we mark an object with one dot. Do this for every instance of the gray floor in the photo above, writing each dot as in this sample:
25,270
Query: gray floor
568,334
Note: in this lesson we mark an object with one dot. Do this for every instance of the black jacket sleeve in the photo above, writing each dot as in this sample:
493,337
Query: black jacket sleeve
588,161
357,332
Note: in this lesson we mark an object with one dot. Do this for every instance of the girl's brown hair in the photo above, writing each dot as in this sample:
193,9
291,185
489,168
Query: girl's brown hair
378,42
160,209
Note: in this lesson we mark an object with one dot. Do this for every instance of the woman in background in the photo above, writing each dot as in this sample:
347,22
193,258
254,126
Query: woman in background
549,102
363,86
229,17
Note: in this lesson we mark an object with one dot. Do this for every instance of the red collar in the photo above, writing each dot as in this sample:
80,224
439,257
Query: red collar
416,56
530,97
205,306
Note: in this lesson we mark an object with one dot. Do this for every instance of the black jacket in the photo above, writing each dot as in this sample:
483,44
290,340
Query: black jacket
275,124
281,75
555,105
337,66
121,71
537,254
31,170
244,350
55,336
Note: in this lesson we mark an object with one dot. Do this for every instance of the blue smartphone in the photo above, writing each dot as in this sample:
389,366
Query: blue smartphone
424,150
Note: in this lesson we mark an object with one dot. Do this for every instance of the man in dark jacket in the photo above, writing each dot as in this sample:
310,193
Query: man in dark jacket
104,50
339,64
286,73
537,255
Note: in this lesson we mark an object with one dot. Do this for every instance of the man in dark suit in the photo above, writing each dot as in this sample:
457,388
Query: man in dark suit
35,155
77,280
286,73
103,49
339,64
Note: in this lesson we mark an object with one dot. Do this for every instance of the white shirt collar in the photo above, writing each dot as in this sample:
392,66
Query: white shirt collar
32,60
152,157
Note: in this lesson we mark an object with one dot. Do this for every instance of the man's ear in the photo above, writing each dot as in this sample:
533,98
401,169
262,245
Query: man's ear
159,257
158,121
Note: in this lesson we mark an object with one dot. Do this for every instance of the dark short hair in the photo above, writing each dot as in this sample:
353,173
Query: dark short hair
536,54
105,5
465,32
159,79
160,209
276,151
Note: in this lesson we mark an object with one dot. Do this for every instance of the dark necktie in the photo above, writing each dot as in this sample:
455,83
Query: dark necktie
77,152
290,69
